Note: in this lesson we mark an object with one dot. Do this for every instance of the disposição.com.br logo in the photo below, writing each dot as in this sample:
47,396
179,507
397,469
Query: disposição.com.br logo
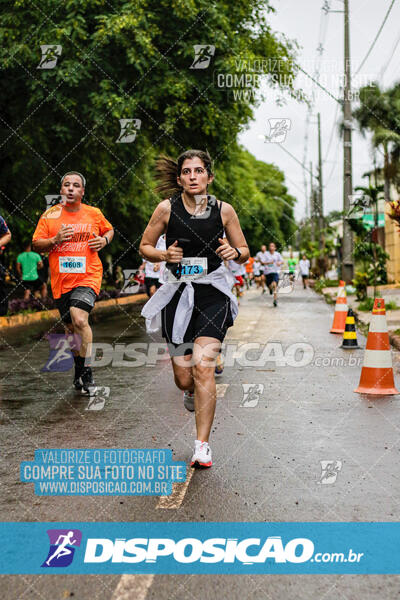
63,543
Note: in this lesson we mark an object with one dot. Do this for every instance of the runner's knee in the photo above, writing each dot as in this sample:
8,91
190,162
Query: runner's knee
182,381
79,321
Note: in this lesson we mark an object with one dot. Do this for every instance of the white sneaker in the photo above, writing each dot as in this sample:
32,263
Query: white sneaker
188,400
202,455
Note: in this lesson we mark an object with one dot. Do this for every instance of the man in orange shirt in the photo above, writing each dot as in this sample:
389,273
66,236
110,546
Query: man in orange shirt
249,271
73,233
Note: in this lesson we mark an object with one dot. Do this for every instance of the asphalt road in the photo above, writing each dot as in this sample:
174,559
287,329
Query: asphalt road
267,449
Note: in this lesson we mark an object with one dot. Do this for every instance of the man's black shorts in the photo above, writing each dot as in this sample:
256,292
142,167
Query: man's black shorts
270,277
211,317
80,297
149,282
32,284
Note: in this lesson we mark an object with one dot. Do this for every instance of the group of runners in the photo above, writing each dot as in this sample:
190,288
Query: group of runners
193,245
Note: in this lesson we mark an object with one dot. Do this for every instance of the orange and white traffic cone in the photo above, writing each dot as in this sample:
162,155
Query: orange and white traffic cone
341,308
377,372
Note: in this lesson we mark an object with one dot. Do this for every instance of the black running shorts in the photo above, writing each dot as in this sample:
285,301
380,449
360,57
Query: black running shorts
211,317
80,297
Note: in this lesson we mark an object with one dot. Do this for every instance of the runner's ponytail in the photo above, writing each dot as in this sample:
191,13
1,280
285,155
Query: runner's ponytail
167,172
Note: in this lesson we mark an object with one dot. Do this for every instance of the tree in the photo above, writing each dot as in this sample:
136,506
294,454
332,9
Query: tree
125,59
377,114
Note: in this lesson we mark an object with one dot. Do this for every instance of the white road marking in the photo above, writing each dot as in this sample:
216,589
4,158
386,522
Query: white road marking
178,492
221,389
179,489
133,587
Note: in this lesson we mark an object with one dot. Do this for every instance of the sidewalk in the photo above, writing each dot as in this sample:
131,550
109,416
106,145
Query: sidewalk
101,307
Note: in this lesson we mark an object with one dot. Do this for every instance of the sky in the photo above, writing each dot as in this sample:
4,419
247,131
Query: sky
306,22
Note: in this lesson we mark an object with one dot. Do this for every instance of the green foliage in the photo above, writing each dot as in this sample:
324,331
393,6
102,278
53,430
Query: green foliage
131,59
366,305
373,258
360,282
392,305
322,283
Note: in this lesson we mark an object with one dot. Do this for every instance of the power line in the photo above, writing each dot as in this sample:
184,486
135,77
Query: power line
376,37
383,70
331,134
323,25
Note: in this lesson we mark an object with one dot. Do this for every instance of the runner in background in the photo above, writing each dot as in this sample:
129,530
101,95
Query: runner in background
238,272
28,263
257,271
261,256
73,233
273,263
5,237
249,272
304,267
153,271
292,263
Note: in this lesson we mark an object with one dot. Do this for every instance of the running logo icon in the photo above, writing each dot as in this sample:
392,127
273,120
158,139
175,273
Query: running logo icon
98,400
287,281
131,285
202,56
50,56
278,129
129,129
251,394
55,199
63,543
330,470
210,203
60,356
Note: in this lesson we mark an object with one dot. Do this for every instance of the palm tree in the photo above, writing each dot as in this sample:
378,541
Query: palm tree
379,113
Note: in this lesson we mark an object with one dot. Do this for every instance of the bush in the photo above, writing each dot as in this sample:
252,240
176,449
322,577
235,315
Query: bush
323,283
391,305
366,305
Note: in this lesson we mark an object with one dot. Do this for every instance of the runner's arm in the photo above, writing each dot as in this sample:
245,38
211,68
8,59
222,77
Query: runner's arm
64,234
155,228
4,239
234,233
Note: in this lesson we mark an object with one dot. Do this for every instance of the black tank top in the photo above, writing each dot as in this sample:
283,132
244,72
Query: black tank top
201,231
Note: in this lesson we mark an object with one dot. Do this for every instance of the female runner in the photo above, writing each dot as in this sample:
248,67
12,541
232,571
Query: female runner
194,305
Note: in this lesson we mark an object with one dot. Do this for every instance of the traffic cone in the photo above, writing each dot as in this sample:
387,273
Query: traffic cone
377,372
350,334
339,318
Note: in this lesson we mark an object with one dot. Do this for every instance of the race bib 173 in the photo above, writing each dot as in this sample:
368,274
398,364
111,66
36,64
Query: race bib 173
189,269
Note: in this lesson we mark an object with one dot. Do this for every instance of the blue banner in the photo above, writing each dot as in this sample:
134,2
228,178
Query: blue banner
239,548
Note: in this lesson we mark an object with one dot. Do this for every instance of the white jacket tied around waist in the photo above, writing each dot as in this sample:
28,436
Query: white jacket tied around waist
221,279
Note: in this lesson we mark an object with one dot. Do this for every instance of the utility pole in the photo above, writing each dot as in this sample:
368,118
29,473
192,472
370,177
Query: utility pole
347,244
321,240
312,205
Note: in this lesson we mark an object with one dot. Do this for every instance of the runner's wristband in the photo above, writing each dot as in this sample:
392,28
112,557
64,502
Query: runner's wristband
239,254
106,238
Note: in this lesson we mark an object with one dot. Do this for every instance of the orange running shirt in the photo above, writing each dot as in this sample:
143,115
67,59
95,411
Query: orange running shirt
249,265
85,266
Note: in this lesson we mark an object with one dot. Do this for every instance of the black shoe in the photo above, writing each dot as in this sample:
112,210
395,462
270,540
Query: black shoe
87,381
77,379
275,303
270,291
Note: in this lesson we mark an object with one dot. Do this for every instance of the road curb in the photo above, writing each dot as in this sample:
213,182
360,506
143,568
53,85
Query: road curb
103,306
